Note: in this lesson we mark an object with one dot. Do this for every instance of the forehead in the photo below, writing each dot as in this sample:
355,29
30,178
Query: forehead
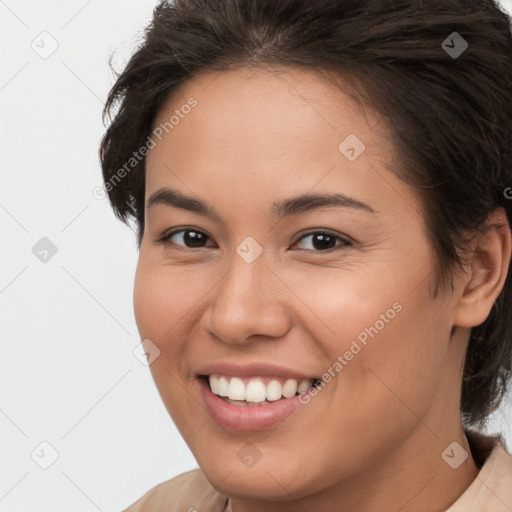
272,104
288,129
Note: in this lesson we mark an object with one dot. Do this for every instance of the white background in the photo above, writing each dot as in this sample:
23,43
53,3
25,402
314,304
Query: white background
69,376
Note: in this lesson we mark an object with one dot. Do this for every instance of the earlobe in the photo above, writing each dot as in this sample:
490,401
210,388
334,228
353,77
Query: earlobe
487,272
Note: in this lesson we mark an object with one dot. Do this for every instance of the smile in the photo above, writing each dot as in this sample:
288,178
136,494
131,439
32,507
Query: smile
255,391
251,402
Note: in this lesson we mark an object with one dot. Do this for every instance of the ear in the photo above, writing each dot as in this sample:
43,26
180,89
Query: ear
486,273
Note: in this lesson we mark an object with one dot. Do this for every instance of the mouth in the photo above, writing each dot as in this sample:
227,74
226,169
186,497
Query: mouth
252,403
256,391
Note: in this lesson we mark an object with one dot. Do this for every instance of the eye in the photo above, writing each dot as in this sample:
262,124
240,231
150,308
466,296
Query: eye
187,238
319,241
324,241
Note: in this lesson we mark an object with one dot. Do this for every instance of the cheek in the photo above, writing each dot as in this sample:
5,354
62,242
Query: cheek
162,296
393,378
337,306
147,302
392,338
160,300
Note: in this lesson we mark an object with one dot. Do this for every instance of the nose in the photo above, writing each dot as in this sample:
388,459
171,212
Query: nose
249,301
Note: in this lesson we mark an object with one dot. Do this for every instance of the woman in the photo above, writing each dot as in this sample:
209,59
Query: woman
322,195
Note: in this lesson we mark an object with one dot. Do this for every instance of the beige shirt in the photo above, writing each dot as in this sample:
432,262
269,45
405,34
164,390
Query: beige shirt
491,491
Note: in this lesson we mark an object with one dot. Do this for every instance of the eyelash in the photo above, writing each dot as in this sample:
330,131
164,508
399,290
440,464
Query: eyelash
345,242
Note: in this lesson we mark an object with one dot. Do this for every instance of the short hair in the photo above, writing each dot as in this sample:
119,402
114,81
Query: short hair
440,72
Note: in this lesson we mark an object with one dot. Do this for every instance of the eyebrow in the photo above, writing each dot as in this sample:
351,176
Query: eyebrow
303,203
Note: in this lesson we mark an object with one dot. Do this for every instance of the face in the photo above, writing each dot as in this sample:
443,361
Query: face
256,291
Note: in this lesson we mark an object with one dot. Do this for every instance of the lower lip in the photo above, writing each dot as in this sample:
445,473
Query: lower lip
245,417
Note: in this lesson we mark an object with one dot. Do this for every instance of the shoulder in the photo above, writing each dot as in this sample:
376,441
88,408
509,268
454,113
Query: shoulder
491,491
188,492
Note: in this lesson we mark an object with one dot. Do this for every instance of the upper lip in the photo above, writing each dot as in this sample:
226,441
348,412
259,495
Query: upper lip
251,369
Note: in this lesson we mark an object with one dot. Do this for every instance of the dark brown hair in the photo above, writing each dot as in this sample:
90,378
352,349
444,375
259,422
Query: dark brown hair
449,114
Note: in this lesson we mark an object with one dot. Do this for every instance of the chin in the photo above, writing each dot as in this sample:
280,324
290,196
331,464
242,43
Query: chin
266,479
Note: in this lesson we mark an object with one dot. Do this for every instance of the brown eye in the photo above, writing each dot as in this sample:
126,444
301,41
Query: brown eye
324,241
188,238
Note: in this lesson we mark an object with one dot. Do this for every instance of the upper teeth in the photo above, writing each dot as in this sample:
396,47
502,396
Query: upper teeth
256,389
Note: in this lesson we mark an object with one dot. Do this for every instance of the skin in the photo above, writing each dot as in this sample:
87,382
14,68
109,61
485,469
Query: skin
372,438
